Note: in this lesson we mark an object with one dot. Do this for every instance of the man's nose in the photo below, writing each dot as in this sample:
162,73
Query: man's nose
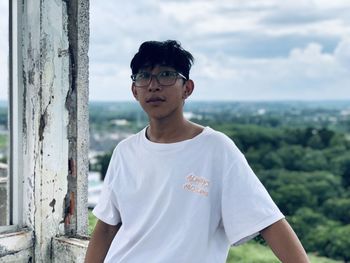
154,84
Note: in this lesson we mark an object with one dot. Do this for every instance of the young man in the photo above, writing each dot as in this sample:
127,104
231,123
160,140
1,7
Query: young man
178,192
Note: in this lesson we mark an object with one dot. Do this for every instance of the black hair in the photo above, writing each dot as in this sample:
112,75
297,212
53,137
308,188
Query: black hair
167,53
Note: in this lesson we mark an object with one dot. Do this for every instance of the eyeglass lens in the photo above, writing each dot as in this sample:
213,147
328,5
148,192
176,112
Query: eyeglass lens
163,78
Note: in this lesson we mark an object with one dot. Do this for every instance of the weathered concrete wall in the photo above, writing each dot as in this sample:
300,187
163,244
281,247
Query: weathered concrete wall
55,125
16,247
64,249
22,256
78,128
52,36
46,84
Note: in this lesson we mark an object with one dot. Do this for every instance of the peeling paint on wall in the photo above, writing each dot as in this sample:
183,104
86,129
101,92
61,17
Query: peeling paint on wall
77,105
52,204
72,168
69,210
55,122
11,244
65,249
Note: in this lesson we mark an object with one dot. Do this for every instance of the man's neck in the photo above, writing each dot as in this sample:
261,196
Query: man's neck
170,131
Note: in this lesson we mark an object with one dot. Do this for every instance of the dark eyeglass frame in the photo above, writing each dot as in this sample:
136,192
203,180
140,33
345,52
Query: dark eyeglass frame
176,75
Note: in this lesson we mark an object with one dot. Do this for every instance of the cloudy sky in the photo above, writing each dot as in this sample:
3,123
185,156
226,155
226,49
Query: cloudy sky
244,50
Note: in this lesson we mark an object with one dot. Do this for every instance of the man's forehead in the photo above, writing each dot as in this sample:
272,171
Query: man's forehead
156,67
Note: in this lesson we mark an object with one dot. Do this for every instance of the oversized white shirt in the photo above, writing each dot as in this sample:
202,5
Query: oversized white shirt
183,202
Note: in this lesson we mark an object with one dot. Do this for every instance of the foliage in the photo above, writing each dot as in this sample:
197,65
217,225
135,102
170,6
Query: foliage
251,252
3,141
341,165
102,164
292,190
3,115
92,222
334,240
338,209
339,243
256,253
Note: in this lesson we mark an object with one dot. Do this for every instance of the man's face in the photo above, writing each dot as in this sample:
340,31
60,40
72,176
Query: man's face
161,101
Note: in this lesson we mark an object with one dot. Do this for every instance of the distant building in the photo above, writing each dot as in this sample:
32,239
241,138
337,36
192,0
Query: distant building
120,122
190,115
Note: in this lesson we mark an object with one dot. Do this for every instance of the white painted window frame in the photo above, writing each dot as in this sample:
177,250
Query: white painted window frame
14,237
15,127
16,114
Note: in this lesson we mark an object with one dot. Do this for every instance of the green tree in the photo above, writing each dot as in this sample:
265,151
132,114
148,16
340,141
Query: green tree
304,222
313,160
319,238
103,162
322,185
339,248
338,209
341,166
315,141
292,156
293,189
326,136
271,160
291,197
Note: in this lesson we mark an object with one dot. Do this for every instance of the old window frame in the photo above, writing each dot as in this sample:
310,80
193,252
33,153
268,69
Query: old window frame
14,113
17,239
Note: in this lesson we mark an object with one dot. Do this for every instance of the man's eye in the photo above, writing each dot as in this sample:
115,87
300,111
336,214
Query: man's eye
166,74
143,75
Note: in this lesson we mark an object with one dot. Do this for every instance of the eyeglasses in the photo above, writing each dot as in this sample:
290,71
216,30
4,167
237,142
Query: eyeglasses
164,78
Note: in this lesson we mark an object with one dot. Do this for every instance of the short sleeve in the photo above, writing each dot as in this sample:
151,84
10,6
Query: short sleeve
247,208
107,209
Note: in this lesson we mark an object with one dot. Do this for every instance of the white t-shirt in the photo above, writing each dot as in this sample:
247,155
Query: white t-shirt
183,202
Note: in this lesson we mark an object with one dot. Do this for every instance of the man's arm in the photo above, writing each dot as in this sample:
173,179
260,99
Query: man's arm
284,242
100,242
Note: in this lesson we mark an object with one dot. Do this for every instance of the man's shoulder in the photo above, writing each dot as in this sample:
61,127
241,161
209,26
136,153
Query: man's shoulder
220,146
130,140
217,137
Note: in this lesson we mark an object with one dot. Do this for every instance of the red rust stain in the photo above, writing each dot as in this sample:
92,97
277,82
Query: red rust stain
72,167
71,208
72,203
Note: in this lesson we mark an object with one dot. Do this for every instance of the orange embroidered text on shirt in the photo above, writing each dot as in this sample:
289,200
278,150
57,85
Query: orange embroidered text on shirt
197,184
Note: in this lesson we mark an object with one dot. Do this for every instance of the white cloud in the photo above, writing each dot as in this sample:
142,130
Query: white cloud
326,4
305,74
342,53
331,27
110,82
312,63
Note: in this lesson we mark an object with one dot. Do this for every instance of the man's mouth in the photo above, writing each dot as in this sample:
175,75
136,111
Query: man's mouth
155,99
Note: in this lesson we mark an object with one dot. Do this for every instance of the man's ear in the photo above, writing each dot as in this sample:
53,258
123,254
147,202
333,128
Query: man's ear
188,88
134,92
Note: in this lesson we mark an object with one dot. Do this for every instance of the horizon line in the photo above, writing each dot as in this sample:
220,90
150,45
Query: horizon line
3,101
223,100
